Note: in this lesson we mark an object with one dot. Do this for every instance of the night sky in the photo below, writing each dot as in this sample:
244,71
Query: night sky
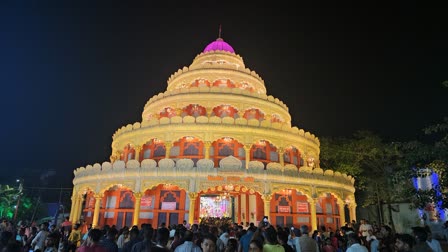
71,75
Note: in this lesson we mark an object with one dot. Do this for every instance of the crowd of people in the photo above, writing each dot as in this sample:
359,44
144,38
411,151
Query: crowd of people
212,236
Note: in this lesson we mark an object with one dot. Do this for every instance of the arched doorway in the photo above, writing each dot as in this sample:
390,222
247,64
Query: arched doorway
229,203
290,207
164,203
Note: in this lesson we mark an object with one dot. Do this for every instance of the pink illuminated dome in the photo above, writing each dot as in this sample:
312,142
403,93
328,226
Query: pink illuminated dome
219,45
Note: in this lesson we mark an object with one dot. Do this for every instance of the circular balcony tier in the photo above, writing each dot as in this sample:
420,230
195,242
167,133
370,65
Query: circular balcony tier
205,97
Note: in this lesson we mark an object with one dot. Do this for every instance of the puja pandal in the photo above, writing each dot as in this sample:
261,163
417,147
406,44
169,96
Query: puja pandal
213,145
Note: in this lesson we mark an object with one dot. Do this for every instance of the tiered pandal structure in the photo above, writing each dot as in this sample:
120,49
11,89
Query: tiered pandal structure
213,144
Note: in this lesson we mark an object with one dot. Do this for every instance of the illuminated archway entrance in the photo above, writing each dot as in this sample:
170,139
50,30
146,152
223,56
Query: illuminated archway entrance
229,203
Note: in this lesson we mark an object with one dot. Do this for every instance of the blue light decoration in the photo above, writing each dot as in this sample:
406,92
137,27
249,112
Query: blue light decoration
435,184
419,183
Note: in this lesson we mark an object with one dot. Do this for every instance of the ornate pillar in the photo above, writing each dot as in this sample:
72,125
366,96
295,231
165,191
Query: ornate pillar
207,145
168,146
280,152
137,150
72,209
267,204
313,214
247,148
75,209
96,212
341,205
192,196
138,200
78,209
352,209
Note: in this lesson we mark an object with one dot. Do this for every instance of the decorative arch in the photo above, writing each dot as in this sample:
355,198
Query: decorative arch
254,113
277,118
216,200
163,202
245,86
264,151
292,156
153,149
290,206
165,185
225,110
223,83
194,110
128,153
328,210
188,147
224,147
200,83
114,186
168,112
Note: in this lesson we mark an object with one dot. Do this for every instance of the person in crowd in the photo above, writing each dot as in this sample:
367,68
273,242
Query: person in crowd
5,238
318,238
271,243
92,244
208,243
420,236
186,225
133,239
178,237
84,227
123,238
224,236
293,240
364,229
232,245
67,224
433,243
327,246
372,242
146,243
27,241
38,242
74,238
245,239
354,244
51,243
282,237
255,246
188,245
85,235
172,230
404,243
386,239
162,236
307,244
109,242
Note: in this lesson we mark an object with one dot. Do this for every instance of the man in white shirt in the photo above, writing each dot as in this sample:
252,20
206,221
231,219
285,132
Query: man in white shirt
364,229
38,243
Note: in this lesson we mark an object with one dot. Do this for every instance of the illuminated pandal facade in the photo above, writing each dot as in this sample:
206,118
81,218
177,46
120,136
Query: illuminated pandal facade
213,137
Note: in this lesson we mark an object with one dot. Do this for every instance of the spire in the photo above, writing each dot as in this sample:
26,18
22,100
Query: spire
219,33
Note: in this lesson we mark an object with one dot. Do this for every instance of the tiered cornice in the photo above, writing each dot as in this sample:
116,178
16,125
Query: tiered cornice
136,175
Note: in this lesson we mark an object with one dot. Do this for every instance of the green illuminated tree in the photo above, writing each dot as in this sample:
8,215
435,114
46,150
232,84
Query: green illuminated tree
8,199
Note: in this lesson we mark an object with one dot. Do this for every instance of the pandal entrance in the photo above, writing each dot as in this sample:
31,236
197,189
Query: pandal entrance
228,204
217,206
